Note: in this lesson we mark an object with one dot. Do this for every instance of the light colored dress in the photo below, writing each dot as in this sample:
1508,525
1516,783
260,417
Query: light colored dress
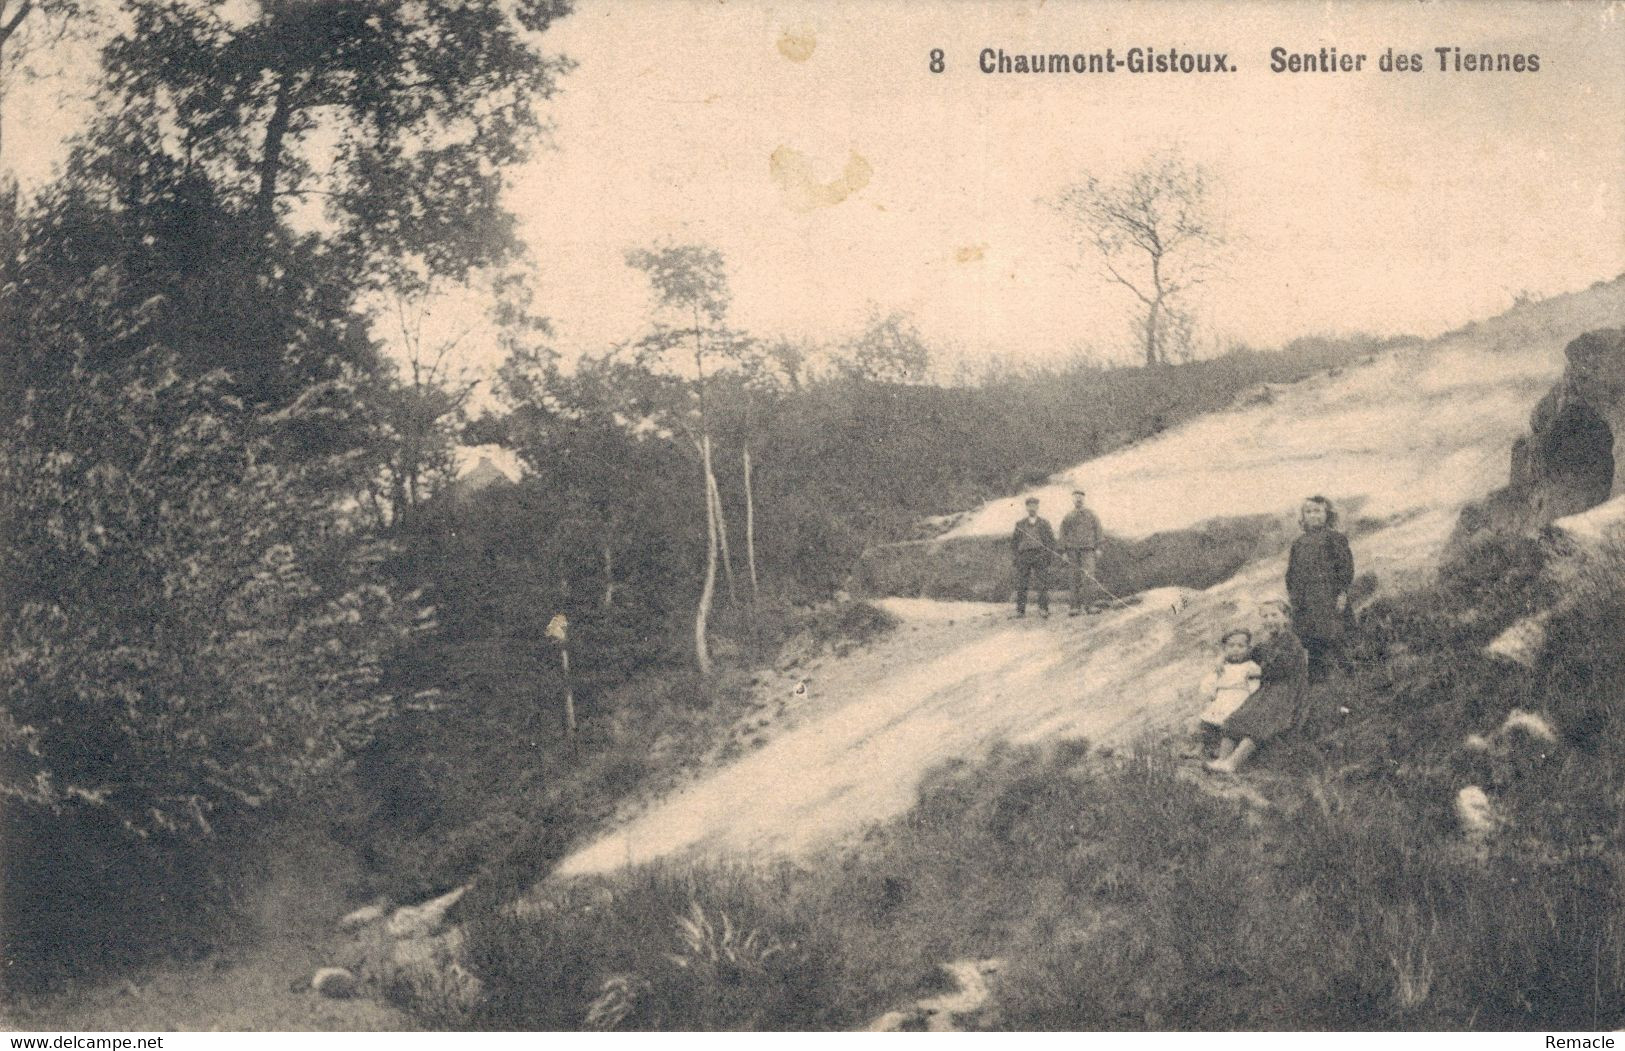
1229,686
1278,705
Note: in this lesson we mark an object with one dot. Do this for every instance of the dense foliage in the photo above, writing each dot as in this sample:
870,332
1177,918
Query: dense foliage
197,621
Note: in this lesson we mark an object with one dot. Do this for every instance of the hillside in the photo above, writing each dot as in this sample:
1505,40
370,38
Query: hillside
956,736
1403,440
974,823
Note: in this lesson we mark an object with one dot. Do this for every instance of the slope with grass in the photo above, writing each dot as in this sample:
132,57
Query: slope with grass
1404,441
1120,890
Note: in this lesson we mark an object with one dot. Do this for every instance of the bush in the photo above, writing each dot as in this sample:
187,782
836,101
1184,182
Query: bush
654,949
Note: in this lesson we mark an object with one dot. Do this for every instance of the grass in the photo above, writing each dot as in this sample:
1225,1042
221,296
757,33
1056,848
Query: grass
1126,898
488,791
977,568
661,949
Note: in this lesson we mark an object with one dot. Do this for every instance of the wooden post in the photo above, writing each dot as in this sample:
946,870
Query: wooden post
569,697
558,629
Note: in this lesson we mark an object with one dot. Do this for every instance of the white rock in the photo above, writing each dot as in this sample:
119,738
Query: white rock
335,983
1592,528
363,916
1531,723
417,921
1522,642
1476,813
941,1014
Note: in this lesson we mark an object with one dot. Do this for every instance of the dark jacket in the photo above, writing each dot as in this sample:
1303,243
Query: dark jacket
1320,568
1080,528
1032,539
1278,704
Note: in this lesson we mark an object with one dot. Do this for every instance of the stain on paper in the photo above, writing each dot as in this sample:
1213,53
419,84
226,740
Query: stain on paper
970,253
797,44
802,190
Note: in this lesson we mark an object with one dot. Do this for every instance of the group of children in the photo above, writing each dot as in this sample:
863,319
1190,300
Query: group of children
1260,688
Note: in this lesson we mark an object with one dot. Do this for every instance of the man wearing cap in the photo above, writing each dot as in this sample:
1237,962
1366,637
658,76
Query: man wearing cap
1080,544
1032,545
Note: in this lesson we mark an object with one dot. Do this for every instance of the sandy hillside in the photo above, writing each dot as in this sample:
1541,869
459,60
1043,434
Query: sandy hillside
1406,437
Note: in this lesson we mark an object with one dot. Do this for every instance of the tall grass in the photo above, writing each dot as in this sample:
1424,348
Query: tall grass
1124,896
662,948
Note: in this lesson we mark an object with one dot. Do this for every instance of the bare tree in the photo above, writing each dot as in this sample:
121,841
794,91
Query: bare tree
690,285
1154,233
424,411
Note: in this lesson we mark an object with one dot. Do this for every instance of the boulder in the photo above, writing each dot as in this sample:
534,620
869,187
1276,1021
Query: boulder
335,983
418,921
1475,813
1565,465
363,916
1522,642
433,965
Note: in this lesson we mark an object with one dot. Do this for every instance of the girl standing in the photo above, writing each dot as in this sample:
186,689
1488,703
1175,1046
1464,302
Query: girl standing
1319,574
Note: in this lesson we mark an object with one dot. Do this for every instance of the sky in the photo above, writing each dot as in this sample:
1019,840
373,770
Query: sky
811,143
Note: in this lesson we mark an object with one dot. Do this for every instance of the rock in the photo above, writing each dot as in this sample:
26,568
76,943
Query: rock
948,1012
1522,642
1566,464
1476,813
418,921
335,983
1531,723
432,964
1591,530
363,916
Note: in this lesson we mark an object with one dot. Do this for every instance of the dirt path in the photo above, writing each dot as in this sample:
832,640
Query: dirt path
956,679
257,985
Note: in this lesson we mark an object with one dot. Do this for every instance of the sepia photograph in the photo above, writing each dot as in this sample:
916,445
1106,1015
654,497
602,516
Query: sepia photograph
812,516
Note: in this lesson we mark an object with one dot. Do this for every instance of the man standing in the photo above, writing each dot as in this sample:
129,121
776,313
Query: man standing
1032,545
1080,541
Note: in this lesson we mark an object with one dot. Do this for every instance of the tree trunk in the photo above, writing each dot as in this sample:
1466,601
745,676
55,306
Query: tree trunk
609,576
270,166
702,653
722,537
750,535
1151,321
6,31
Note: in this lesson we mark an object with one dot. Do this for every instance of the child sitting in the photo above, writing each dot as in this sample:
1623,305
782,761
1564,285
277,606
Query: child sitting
1278,705
1227,686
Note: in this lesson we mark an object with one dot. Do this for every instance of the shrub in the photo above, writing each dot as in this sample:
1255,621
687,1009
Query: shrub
654,949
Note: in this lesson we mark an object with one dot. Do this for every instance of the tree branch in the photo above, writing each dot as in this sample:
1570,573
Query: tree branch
16,20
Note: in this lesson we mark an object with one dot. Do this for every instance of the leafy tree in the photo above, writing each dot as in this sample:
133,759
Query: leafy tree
690,285
181,261
399,117
190,628
1154,233
197,625
888,350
